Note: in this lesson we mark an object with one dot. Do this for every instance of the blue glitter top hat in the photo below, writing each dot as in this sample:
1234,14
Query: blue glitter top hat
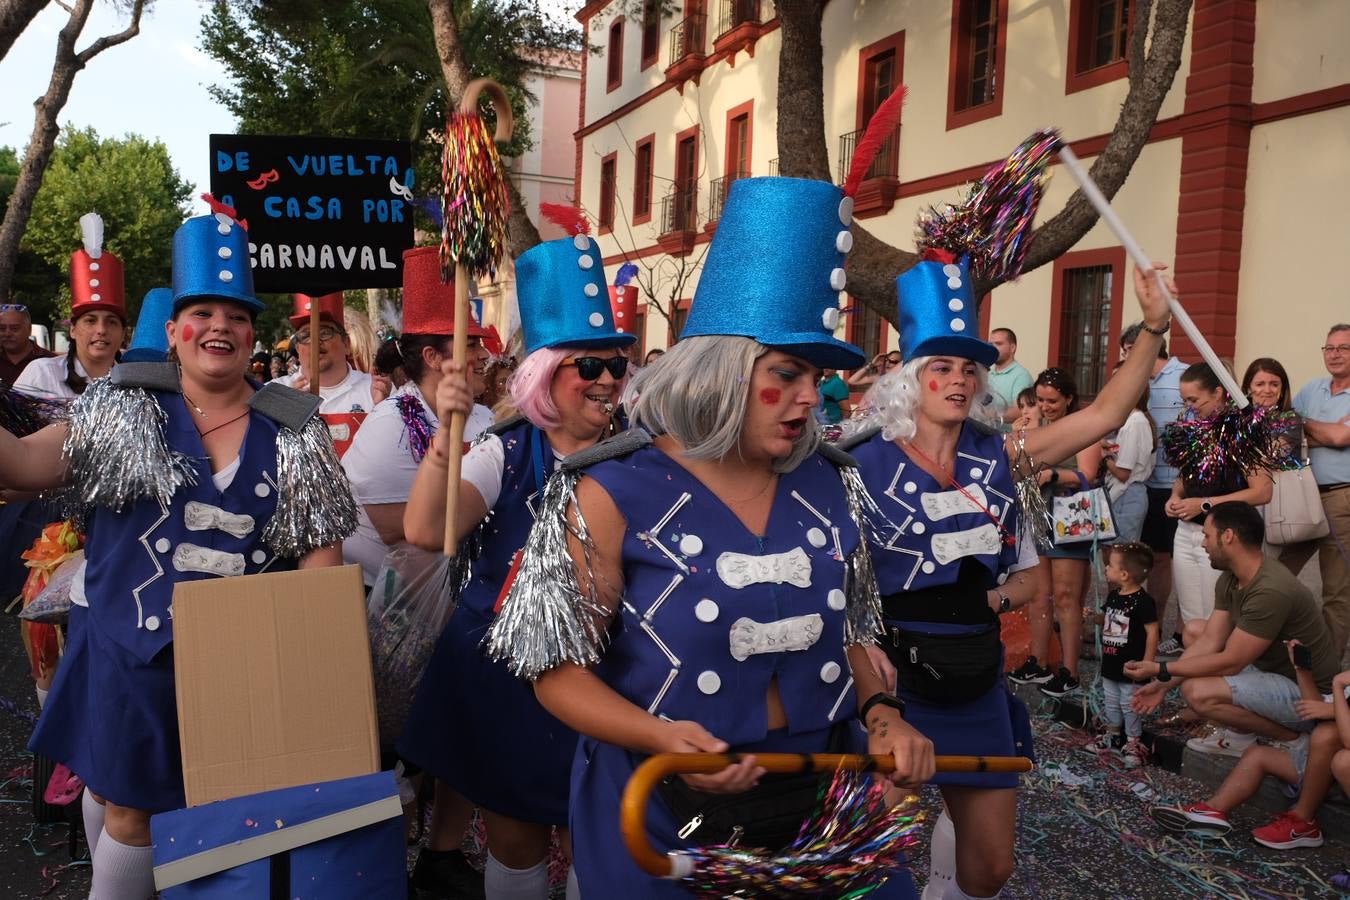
937,309
211,261
149,342
563,298
775,270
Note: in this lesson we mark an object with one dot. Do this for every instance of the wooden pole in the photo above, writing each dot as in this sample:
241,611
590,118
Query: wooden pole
468,105
633,806
314,345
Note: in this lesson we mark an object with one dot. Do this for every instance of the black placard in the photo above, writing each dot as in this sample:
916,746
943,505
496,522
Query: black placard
324,214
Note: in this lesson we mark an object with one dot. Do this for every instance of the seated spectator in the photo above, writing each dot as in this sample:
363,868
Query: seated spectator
1236,674
1306,769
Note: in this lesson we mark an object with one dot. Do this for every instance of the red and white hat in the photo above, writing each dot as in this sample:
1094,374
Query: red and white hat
623,303
429,303
330,309
96,279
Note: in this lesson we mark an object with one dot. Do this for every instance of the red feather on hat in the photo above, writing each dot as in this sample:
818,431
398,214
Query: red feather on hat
878,131
568,218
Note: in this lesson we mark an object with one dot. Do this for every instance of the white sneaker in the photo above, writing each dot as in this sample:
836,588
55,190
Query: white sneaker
1170,647
1222,743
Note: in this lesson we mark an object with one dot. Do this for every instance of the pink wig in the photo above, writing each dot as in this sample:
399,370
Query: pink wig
531,386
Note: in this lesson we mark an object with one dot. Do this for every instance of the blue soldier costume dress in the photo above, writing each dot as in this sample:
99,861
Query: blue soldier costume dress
473,724
157,517
949,544
712,614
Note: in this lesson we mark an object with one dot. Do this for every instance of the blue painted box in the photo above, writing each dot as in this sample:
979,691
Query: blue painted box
326,841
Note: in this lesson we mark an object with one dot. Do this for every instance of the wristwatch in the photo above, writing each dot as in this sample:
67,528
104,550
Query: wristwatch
1206,506
881,698
1163,674
1004,604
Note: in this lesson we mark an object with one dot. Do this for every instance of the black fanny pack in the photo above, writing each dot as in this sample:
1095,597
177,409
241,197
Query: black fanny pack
767,817
945,668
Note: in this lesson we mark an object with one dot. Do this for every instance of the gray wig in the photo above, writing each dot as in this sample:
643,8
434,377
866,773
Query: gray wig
698,393
895,397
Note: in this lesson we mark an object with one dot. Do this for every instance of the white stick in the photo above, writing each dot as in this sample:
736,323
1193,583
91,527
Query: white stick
1103,207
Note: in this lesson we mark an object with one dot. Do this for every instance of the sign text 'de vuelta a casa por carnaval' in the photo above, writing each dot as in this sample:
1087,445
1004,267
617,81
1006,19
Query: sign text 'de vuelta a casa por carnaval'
323,214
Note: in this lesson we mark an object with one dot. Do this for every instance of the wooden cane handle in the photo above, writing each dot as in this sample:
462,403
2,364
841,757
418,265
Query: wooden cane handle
500,103
633,806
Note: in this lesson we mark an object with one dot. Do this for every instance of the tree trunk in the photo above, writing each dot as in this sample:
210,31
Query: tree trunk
14,18
874,264
522,233
67,65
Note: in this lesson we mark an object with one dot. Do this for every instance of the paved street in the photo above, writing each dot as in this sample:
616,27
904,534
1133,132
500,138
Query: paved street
1095,840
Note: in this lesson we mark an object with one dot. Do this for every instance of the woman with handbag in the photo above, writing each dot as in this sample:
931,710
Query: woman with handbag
944,475
711,604
1193,493
1068,557
473,724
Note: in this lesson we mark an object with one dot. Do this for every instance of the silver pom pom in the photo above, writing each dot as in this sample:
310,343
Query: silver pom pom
117,450
1036,522
547,620
314,500
862,618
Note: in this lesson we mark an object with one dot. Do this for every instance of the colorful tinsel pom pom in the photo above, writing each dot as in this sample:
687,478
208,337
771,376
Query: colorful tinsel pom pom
1208,451
850,845
993,225
475,203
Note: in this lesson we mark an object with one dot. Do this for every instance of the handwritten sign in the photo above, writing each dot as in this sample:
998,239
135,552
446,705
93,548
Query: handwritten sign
323,214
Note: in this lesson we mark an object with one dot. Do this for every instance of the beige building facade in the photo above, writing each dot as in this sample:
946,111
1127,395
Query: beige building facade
1244,184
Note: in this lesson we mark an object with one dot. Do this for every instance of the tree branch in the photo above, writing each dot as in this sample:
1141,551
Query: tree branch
112,40
14,18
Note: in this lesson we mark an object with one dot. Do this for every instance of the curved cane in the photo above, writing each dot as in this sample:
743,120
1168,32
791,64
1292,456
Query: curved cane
468,105
633,806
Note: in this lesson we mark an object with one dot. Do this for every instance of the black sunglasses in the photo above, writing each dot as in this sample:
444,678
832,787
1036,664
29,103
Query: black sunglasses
590,367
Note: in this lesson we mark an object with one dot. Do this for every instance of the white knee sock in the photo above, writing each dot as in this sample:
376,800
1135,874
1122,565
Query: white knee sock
941,858
573,886
94,813
123,872
953,892
503,883
41,695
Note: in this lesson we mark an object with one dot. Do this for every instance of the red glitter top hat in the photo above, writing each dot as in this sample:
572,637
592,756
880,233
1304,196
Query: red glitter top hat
330,309
428,303
96,280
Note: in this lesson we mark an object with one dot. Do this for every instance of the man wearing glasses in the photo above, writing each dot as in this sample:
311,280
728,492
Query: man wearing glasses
348,394
1324,405
17,348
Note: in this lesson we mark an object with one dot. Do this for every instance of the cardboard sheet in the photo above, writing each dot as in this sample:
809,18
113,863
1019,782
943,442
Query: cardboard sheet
274,682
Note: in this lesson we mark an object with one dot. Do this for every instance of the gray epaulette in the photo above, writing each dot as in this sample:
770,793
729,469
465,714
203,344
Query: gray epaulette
154,376
838,457
622,444
285,405
500,428
849,441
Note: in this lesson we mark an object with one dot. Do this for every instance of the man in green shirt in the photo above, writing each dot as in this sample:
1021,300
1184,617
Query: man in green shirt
1007,376
834,397
1238,674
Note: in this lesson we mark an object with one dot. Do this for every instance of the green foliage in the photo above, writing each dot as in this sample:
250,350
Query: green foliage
132,184
369,68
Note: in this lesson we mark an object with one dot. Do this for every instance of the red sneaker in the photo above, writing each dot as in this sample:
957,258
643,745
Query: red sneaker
1288,831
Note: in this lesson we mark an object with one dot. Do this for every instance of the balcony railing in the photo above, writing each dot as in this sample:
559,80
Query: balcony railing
679,210
886,164
773,166
718,190
687,37
733,13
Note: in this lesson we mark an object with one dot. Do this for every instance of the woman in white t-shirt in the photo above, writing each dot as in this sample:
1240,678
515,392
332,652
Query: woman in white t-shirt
96,334
383,458
1128,461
